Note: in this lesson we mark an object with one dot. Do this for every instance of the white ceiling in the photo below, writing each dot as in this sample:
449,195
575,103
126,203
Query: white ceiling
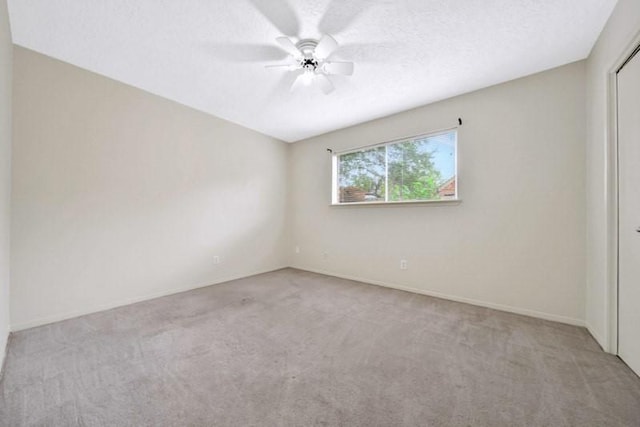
210,54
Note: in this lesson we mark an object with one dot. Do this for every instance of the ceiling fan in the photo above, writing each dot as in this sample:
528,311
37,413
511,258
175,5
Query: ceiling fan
309,59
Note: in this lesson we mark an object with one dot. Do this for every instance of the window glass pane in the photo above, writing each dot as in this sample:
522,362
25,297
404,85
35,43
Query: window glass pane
423,168
361,176
417,169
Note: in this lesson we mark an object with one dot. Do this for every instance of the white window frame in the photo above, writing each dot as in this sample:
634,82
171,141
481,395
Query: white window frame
335,197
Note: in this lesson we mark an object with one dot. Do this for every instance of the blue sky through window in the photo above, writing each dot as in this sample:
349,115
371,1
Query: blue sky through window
444,158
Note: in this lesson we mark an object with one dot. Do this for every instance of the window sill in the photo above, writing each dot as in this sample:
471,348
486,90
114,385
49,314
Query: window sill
407,203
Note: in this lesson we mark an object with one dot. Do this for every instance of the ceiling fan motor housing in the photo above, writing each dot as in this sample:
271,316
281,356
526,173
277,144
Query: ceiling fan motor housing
307,47
309,62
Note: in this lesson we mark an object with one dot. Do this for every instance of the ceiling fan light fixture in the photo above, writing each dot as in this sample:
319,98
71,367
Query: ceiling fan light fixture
307,77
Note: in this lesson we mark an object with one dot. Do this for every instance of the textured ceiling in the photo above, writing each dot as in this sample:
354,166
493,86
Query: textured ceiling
210,55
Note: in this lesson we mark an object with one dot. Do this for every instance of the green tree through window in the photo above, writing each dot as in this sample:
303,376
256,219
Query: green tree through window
412,173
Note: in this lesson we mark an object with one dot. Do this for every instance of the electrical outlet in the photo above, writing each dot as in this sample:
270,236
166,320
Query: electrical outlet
404,264
216,259
297,249
325,256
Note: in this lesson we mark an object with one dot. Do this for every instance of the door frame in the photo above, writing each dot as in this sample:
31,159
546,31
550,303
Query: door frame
612,193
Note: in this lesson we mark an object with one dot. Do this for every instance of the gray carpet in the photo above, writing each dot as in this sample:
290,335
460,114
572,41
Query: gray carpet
291,348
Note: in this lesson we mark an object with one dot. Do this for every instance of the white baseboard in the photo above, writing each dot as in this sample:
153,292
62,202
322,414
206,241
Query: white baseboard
487,304
517,310
102,307
599,339
3,352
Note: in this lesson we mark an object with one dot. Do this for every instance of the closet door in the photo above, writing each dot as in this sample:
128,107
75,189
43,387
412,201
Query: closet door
629,213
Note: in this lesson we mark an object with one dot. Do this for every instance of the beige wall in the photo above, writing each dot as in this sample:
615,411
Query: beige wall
6,58
119,195
615,41
521,248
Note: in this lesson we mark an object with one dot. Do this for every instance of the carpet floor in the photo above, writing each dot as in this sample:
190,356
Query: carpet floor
292,348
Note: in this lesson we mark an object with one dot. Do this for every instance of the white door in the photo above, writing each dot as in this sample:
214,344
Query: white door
629,211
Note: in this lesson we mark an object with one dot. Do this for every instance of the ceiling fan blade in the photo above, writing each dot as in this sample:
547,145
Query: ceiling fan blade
298,82
244,52
339,15
289,67
343,68
289,47
280,14
326,46
325,84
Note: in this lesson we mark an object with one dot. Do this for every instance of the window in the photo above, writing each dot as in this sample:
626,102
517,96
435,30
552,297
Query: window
421,168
